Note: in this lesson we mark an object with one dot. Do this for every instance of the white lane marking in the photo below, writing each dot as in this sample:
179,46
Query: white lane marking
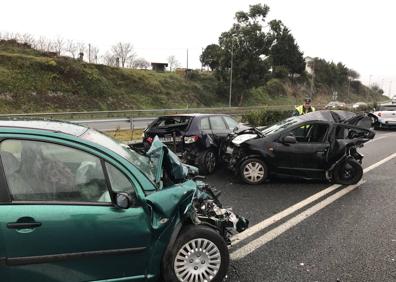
377,164
275,218
267,237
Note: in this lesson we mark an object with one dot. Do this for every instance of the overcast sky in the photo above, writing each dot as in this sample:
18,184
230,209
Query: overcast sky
360,34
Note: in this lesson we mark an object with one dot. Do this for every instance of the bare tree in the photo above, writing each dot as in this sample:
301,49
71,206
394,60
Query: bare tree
58,45
109,59
72,48
140,63
93,54
173,63
26,38
49,45
41,43
125,53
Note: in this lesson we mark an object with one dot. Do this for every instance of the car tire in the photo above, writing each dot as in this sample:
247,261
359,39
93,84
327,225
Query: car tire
199,254
348,172
253,171
207,162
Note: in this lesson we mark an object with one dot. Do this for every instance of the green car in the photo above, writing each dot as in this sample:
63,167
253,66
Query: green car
75,205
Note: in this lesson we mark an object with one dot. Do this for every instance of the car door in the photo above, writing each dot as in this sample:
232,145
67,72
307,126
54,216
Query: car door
60,223
306,157
219,129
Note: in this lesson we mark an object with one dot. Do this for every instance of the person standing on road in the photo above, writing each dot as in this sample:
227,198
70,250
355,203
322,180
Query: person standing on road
304,108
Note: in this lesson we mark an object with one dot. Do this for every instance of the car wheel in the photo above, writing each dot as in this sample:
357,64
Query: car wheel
253,171
199,254
348,172
207,161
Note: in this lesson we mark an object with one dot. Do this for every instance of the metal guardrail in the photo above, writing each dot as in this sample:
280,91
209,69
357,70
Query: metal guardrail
144,113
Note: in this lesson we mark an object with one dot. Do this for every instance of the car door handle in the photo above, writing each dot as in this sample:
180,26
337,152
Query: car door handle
22,225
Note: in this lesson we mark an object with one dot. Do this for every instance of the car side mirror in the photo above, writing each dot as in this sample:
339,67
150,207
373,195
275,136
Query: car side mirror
123,200
289,139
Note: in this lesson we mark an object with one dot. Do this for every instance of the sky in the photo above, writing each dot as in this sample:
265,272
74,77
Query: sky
360,34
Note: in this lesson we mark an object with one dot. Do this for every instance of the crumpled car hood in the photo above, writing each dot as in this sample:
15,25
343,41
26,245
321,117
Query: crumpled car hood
160,154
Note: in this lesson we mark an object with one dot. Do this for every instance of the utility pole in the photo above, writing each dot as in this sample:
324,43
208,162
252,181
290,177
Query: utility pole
390,89
232,63
313,77
89,52
187,58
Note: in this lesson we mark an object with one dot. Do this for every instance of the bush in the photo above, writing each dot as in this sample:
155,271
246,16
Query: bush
266,117
275,87
280,72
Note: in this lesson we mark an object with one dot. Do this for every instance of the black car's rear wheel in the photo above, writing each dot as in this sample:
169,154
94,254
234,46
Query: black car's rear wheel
199,254
253,171
348,172
207,161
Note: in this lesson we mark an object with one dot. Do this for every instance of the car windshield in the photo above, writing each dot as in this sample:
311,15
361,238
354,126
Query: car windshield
141,162
284,124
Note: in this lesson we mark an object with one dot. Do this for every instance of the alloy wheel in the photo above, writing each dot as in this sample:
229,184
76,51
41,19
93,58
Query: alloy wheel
253,172
197,260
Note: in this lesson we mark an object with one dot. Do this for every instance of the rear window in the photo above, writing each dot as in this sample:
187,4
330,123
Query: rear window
181,122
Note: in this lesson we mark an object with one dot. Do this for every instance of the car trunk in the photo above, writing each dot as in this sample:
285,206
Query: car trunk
170,131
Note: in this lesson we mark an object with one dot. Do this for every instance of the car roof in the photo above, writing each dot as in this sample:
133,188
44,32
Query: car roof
326,115
47,125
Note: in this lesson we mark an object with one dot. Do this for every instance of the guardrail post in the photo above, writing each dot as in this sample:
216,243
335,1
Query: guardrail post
132,126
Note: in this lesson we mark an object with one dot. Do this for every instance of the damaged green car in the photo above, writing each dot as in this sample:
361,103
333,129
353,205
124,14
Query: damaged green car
76,205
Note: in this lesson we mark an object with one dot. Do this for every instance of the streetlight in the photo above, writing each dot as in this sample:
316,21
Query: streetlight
232,63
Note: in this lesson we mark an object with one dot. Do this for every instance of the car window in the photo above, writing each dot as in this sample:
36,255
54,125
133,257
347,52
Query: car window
41,171
118,181
205,124
180,122
217,123
232,123
313,133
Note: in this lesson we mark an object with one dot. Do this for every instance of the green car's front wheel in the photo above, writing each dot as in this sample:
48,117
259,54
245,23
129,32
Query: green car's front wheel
199,254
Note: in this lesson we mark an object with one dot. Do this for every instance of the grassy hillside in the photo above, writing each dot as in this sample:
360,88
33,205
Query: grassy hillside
33,81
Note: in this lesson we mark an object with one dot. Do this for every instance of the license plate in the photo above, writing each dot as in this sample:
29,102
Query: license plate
169,139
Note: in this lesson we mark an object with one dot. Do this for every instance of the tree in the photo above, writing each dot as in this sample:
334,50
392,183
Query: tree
247,45
58,45
125,52
72,48
109,59
41,43
173,63
352,74
93,54
211,56
284,51
140,63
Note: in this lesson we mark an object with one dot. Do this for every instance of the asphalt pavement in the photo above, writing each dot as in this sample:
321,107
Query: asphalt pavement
313,231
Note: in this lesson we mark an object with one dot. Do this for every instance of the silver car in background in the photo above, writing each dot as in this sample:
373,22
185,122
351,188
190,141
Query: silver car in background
385,116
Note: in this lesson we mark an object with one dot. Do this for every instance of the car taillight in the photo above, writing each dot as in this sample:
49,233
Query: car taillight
149,140
379,114
191,139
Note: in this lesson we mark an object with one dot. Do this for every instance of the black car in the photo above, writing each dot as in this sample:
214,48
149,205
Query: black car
195,137
319,145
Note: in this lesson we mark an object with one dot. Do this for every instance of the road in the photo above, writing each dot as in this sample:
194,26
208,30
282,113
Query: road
311,231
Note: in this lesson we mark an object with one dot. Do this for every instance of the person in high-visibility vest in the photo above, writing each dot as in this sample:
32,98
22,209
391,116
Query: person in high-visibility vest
304,108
